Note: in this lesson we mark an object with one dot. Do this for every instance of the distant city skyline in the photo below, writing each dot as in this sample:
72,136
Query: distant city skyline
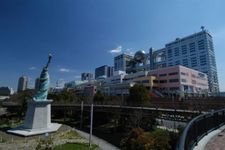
83,34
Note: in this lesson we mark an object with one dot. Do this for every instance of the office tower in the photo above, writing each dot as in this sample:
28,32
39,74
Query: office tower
22,83
122,62
101,71
195,51
110,71
6,91
86,76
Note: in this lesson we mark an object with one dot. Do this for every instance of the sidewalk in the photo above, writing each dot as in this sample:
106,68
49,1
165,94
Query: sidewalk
104,145
212,141
217,142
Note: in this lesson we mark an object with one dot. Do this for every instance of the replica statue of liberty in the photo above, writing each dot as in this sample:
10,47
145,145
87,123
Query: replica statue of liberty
42,92
38,115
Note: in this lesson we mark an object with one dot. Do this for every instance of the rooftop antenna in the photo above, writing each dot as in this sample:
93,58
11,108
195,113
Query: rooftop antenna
203,28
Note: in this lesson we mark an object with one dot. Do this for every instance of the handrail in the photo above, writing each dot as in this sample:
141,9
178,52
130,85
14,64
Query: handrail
199,127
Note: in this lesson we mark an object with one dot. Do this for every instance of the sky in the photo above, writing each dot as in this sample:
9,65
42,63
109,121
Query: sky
85,34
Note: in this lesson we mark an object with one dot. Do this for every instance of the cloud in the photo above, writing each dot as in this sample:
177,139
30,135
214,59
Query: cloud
65,70
116,50
129,51
32,68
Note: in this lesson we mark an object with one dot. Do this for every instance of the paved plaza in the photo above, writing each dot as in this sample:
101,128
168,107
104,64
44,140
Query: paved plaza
217,142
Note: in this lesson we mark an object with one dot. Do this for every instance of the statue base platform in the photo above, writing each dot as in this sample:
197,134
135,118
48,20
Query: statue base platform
37,120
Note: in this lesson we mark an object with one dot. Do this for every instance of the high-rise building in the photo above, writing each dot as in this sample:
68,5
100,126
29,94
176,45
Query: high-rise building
37,84
101,71
22,83
86,76
60,83
110,71
122,61
6,91
195,51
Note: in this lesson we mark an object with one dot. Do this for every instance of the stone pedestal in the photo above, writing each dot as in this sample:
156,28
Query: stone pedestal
37,120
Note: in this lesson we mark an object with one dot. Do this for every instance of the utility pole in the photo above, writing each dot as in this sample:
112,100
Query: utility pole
122,96
91,124
174,110
81,114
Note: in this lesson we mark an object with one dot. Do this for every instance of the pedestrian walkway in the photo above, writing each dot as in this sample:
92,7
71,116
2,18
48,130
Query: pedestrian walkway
215,140
104,145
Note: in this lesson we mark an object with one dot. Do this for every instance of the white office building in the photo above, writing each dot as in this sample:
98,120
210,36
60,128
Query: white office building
195,51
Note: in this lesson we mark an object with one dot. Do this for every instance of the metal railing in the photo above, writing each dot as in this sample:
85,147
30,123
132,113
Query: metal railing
199,127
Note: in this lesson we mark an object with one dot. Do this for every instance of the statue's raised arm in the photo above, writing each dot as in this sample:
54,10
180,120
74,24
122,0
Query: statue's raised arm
42,92
49,60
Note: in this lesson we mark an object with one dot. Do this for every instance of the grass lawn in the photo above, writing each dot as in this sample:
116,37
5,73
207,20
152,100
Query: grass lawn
73,146
70,135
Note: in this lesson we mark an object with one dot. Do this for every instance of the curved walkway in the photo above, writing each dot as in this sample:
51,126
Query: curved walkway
215,140
104,145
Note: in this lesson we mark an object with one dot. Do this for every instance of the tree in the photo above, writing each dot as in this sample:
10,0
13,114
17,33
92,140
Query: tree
162,139
64,96
138,95
130,142
99,97
138,139
23,98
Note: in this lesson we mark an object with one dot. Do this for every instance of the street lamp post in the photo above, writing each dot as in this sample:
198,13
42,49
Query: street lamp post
91,124
81,114
174,110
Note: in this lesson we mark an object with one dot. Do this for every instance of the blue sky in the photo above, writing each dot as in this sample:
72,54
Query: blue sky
81,33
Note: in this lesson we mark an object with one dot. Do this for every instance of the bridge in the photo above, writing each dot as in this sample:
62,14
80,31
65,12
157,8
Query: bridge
183,115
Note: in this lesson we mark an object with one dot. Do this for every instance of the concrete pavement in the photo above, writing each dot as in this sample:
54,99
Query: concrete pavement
212,141
104,145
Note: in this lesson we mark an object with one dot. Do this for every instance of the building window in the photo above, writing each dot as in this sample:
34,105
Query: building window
162,75
173,80
212,57
163,65
155,81
201,75
173,73
170,64
183,80
162,81
201,45
194,62
174,88
203,60
176,51
211,45
192,47
145,81
170,53
184,49
193,54
185,62
193,81
184,74
177,62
